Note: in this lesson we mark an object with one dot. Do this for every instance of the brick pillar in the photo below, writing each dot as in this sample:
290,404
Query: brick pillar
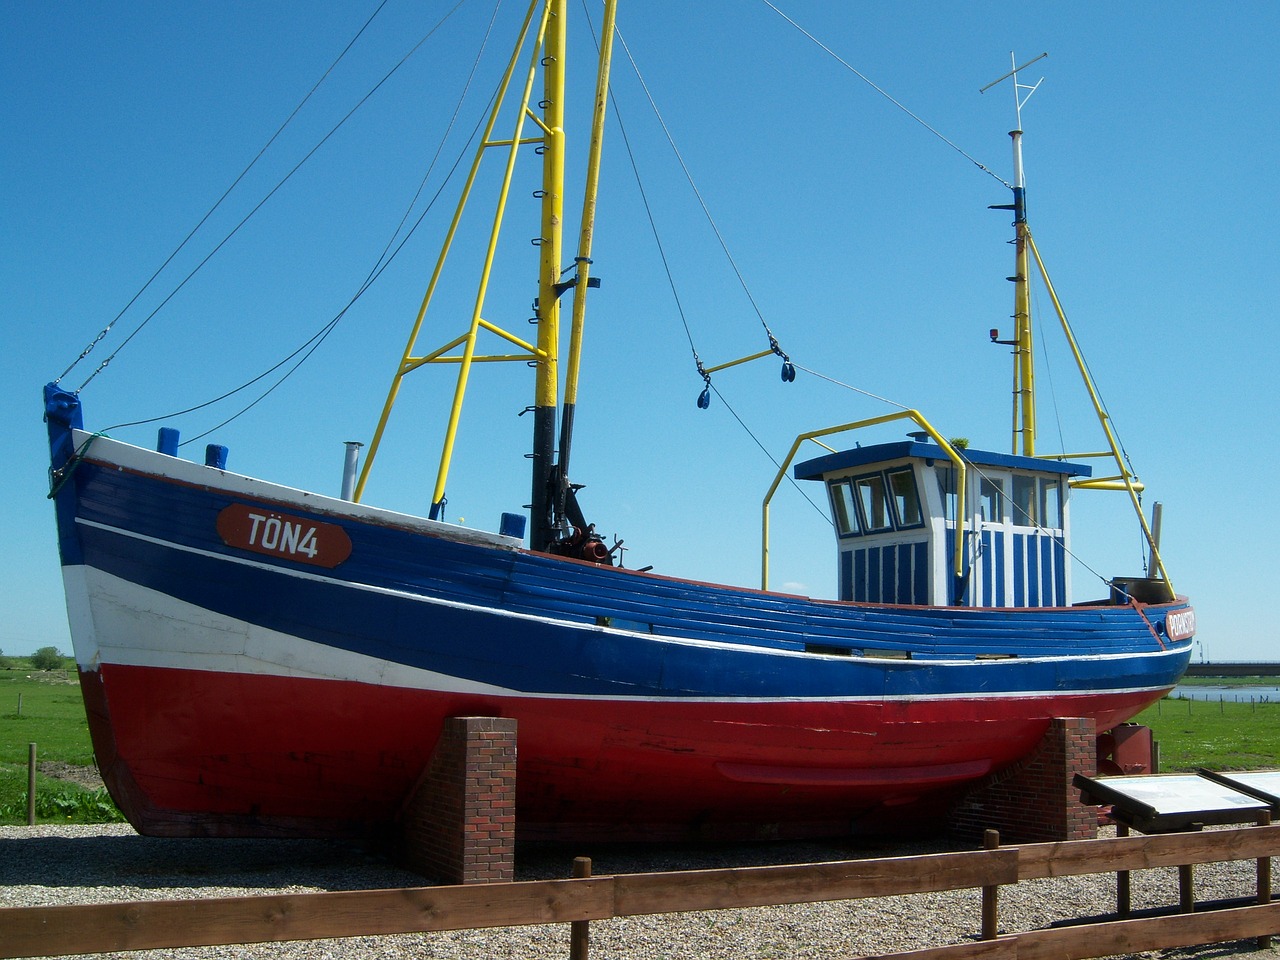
1033,801
459,823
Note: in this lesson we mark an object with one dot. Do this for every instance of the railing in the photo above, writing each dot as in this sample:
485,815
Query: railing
815,435
96,928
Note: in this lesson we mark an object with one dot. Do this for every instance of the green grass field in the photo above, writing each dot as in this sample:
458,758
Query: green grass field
1219,736
45,709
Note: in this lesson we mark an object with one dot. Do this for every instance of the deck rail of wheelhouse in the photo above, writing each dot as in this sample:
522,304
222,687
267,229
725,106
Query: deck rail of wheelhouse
896,507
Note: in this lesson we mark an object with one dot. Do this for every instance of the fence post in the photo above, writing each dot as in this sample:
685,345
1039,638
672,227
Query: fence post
1186,894
31,784
1264,879
580,930
1124,898
991,894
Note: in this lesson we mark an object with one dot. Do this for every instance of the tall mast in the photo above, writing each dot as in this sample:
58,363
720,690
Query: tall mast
582,279
553,511
547,367
1024,398
550,140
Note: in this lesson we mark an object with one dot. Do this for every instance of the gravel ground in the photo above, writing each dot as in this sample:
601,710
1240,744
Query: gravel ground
95,864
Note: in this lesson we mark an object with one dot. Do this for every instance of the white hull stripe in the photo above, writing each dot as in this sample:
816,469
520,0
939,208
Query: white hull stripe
131,625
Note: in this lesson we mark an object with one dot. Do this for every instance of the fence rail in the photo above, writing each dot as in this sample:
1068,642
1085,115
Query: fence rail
97,928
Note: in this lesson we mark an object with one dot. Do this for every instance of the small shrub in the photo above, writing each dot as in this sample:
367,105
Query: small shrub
48,658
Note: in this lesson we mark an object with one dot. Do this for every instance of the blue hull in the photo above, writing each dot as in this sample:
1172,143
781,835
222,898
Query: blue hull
642,699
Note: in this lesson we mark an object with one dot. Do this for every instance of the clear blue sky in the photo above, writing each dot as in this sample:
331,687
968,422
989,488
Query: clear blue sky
864,240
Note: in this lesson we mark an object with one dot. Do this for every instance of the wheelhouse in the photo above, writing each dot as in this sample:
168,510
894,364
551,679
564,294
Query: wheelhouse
896,510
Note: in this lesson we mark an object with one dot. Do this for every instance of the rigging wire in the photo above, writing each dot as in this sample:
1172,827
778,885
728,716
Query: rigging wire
1124,453
1046,360
1032,522
236,229
742,280
226,193
847,386
648,209
453,119
884,93
309,346
1115,431
684,320
772,459
675,293
981,166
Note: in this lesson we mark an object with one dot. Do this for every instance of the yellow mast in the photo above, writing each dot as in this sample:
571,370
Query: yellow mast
547,307
525,352
1024,395
1024,408
582,279
548,58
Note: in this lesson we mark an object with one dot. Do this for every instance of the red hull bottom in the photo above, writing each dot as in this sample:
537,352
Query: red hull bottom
189,753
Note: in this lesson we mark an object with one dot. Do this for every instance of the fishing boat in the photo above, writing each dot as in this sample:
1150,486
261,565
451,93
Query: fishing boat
262,660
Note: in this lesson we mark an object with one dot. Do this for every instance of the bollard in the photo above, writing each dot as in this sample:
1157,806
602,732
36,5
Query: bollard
31,784
580,930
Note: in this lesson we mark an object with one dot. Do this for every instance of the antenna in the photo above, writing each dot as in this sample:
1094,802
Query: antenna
1019,101
1024,402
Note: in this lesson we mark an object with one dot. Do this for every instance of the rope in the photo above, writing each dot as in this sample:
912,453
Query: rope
58,478
383,261
704,397
865,79
176,250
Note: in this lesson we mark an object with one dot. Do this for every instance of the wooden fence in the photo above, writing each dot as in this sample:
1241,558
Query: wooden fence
96,928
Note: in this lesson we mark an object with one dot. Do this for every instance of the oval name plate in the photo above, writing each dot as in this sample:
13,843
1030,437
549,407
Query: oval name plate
281,535
1180,624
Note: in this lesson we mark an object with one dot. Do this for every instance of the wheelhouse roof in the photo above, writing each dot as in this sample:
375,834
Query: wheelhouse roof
878,453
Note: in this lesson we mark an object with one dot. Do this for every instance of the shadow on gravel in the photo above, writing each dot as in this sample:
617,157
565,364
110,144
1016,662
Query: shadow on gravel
162,862
552,861
129,860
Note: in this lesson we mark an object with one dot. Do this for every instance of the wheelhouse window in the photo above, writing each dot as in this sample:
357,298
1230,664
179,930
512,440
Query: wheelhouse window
845,509
906,500
991,500
873,498
1026,502
1051,502
947,487
1037,502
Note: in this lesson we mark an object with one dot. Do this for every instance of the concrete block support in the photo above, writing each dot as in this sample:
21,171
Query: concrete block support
459,824
1033,801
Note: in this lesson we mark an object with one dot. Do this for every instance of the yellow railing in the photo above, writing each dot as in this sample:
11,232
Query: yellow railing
913,415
